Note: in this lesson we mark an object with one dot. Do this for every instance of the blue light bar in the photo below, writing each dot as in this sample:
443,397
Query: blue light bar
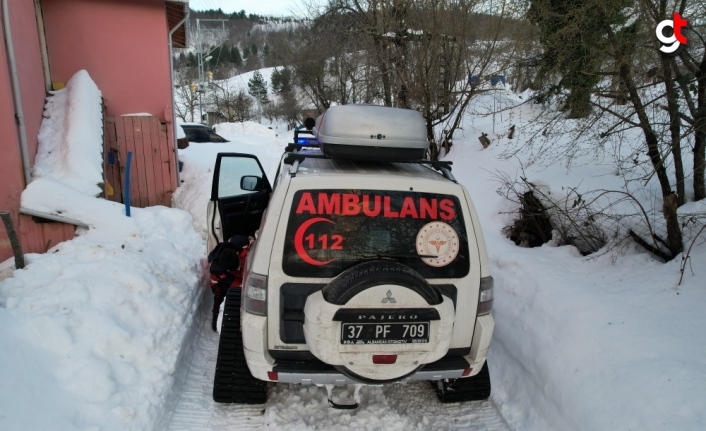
305,141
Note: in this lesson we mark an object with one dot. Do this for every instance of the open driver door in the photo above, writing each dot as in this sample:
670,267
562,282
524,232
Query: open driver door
239,196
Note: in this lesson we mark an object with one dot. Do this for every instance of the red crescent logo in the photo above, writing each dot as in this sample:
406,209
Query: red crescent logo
299,242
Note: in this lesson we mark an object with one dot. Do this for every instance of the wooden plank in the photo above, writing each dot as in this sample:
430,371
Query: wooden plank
28,235
138,159
107,172
107,180
156,159
159,184
167,160
164,165
173,160
130,147
122,154
34,237
110,171
117,182
149,194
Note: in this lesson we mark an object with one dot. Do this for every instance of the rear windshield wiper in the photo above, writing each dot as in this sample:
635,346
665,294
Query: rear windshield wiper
398,256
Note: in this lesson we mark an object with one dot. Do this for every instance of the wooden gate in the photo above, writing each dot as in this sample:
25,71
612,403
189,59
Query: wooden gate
153,176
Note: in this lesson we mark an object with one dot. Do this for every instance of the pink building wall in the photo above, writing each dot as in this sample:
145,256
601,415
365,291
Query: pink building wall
123,46
28,61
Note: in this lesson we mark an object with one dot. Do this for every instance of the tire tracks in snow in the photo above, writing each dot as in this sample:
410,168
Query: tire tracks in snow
404,406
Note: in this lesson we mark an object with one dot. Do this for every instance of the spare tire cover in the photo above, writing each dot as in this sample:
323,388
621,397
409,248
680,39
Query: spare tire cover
374,273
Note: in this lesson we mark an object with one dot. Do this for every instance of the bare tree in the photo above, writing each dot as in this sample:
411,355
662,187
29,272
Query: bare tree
233,105
185,89
661,96
421,53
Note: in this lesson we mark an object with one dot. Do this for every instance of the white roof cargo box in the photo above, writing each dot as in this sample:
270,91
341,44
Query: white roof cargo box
369,132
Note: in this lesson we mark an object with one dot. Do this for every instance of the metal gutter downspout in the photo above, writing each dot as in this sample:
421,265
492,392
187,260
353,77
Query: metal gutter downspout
171,91
19,116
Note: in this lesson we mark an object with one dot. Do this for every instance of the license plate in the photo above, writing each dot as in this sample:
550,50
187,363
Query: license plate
385,333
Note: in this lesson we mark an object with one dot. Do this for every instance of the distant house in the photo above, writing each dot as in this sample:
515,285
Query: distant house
125,45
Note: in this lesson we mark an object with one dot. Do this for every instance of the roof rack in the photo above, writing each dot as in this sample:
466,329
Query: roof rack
295,158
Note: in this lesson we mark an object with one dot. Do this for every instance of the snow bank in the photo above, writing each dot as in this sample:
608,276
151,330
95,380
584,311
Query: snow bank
92,328
104,316
607,342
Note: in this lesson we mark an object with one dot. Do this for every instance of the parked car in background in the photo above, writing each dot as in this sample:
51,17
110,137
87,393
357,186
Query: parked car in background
196,132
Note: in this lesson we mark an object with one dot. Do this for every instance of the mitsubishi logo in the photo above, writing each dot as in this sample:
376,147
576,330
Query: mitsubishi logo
389,298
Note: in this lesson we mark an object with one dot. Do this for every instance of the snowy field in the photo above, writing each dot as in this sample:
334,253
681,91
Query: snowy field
92,330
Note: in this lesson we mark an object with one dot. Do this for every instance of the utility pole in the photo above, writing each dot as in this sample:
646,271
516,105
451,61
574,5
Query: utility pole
204,58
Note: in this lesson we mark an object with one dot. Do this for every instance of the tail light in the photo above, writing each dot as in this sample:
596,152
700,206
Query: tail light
384,359
485,299
256,294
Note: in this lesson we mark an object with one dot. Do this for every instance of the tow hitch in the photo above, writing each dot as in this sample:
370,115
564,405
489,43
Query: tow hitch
356,398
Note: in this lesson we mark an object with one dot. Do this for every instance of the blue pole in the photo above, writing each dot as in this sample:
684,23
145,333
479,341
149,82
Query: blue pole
127,183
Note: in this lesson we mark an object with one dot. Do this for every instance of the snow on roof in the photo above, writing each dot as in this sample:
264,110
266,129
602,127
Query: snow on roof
71,137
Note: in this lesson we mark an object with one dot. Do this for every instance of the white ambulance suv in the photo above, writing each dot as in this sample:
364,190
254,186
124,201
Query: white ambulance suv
369,265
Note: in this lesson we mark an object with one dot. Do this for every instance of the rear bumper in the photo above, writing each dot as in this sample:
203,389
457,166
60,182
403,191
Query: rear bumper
314,372
317,373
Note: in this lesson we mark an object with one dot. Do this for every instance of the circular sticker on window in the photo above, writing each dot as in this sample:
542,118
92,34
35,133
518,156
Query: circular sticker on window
439,242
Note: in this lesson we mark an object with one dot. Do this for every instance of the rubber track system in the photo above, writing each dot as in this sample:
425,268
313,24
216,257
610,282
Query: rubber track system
474,388
233,382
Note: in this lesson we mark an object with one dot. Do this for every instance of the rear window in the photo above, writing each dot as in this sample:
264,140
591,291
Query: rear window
331,230
197,134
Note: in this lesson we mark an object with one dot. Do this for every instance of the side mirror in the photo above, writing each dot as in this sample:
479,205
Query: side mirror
251,183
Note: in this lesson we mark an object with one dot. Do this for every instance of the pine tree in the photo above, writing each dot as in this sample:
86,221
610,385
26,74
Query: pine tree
192,60
281,80
257,87
574,44
215,54
235,57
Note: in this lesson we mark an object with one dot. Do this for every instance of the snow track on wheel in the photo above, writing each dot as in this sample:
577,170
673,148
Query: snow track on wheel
405,406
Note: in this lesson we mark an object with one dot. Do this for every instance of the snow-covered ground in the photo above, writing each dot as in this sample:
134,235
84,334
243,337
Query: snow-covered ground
401,407
92,330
